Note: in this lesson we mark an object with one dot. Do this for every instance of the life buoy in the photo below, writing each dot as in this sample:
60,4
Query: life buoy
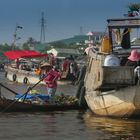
14,77
80,85
25,80
6,73
81,100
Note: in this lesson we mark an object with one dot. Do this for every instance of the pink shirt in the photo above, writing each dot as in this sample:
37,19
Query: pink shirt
51,78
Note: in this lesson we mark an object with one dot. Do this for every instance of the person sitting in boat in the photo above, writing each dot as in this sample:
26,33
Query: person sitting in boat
51,79
134,60
112,60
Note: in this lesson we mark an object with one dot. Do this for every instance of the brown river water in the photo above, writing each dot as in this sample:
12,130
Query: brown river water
63,125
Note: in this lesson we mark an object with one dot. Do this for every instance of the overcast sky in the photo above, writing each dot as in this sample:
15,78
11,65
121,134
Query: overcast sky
63,17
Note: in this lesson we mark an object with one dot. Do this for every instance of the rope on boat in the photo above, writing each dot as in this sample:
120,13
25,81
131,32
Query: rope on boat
8,89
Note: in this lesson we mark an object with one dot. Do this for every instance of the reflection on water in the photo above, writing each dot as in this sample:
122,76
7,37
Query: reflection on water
67,125
42,126
119,128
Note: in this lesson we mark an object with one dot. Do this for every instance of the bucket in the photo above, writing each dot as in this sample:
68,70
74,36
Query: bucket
105,45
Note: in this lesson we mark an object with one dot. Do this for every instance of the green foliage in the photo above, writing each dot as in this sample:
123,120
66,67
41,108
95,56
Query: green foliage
30,43
25,46
134,6
3,48
58,44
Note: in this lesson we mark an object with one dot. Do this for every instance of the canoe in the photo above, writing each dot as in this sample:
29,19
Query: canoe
32,100
8,105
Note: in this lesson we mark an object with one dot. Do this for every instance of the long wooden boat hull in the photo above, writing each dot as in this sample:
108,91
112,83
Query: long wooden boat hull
113,84
21,76
7,105
124,102
28,77
111,90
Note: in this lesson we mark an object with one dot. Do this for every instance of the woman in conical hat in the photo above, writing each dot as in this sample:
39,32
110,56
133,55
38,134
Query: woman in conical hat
133,58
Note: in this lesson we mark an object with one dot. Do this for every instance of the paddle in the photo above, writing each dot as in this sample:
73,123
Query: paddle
30,88
25,94
8,89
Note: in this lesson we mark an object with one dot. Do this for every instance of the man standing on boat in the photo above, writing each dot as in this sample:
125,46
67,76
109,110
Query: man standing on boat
51,79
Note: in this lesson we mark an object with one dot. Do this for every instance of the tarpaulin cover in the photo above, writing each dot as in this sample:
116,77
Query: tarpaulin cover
32,96
22,54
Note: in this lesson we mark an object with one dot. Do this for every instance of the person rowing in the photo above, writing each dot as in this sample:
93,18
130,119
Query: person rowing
51,79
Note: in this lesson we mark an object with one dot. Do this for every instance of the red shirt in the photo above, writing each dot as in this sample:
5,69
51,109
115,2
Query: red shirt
51,78
65,65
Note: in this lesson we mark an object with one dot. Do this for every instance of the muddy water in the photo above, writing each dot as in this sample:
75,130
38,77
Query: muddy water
66,125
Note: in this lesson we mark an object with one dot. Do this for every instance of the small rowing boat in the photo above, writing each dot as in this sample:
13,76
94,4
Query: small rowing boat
31,105
33,101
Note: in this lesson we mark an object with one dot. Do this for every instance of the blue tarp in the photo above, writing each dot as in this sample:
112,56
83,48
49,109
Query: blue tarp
32,96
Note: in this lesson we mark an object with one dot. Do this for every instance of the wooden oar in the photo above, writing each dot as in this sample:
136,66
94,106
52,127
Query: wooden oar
31,89
25,94
8,89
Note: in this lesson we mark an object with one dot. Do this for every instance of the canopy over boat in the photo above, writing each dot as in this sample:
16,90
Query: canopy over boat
12,55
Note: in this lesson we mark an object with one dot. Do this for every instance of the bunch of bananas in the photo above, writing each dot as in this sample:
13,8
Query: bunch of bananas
65,99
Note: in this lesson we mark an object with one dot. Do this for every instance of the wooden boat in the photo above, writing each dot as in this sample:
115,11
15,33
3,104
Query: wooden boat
7,105
29,62
29,75
112,90
32,100
21,76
